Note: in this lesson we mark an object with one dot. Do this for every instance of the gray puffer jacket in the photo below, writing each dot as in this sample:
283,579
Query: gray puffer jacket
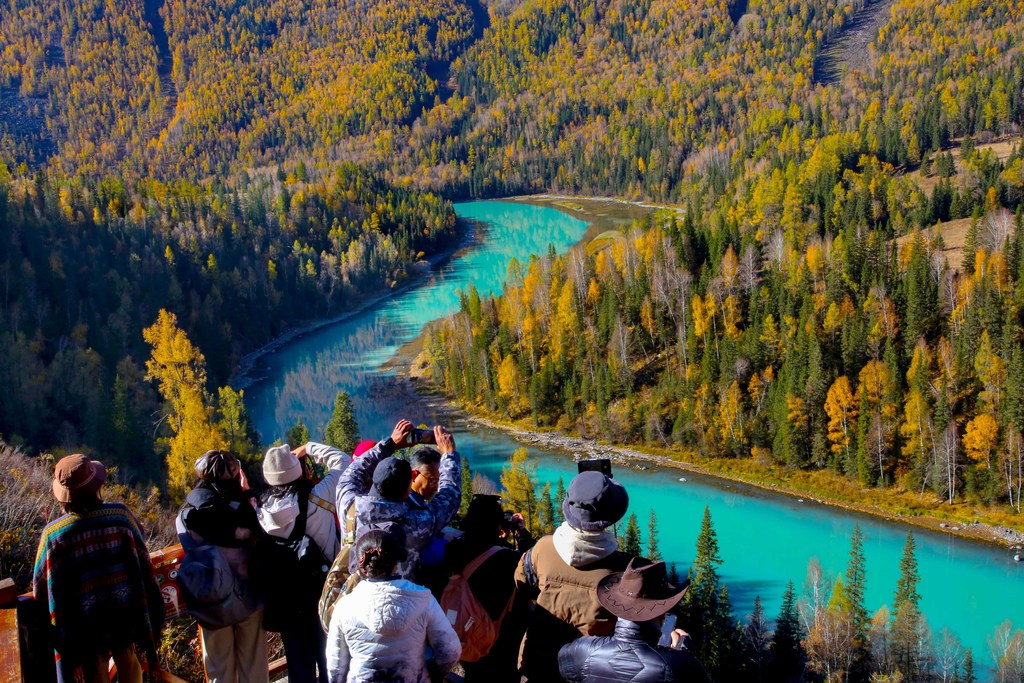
380,631
629,656
420,524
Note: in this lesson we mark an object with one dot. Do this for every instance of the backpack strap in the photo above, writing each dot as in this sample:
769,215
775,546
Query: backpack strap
299,530
529,571
468,570
350,523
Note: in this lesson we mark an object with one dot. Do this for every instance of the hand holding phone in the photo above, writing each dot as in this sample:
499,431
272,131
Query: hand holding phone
667,627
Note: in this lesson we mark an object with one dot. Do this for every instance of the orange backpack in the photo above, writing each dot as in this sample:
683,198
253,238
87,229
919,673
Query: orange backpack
474,626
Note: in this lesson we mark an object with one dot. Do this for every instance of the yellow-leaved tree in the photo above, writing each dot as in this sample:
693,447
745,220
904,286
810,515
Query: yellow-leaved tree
981,438
841,407
179,368
519,487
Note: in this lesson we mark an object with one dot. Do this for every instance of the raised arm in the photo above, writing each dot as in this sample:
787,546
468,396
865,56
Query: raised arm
445,503
358,478
330,456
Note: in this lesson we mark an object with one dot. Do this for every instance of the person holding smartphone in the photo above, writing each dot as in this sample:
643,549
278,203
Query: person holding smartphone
379,484
641,598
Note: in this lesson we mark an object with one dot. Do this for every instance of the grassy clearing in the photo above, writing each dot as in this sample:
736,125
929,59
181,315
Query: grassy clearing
954,238
1002,148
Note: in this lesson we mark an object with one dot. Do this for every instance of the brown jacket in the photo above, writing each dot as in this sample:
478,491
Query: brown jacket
566,604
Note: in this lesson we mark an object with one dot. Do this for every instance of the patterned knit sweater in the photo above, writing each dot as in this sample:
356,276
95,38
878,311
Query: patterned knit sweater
94,573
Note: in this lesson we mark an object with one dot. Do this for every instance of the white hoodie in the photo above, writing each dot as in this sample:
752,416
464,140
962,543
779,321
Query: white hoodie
380,631
278,515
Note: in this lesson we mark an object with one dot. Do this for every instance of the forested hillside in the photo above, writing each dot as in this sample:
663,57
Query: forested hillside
260,163
779,319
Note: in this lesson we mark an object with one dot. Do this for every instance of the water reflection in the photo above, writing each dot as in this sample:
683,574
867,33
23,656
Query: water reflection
301,379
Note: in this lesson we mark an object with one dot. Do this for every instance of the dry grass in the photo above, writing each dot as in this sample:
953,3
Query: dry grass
1002,148
954,237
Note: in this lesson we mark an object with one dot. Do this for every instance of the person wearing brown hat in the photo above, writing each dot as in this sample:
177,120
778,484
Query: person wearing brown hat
640,597
221,511
118,612
562,571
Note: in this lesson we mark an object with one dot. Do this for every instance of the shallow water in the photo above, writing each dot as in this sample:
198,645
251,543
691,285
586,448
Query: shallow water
765,539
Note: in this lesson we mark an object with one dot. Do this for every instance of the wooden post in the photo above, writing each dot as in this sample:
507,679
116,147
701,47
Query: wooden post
8,593
10,647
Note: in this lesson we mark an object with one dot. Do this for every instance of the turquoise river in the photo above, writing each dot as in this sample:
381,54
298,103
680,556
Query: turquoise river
765,539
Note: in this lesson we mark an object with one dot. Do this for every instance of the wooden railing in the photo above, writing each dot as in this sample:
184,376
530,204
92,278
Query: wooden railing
26,657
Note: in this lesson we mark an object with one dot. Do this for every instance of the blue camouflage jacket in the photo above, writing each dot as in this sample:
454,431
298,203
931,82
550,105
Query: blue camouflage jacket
419,523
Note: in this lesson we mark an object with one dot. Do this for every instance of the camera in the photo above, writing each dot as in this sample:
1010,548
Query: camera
603,465
511,521
418,436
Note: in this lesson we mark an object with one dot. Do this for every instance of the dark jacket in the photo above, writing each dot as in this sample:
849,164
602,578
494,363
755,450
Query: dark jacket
222,515
493,584
628,656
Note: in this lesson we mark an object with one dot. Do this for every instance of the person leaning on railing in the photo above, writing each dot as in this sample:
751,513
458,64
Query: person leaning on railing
94,574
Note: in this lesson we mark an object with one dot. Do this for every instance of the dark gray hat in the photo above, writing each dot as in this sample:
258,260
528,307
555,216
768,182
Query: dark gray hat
391,479
594,502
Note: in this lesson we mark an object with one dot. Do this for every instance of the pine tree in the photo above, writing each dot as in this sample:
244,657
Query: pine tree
653,551
906,588
853,588
786,648
559,499
631,541
968,676
342,431
467,488
700,607
545,511
234,422
725,641
123,430
297,435
909,630
757,640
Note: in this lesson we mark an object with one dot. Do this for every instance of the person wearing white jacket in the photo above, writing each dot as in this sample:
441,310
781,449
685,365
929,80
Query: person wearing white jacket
286,472
382,629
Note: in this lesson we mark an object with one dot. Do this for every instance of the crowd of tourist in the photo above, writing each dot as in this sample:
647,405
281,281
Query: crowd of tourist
359,570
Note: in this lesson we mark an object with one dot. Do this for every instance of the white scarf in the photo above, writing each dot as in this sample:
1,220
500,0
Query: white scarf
578,548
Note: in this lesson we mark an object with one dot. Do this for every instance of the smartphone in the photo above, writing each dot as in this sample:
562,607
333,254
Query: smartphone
603,465
419,436
667,627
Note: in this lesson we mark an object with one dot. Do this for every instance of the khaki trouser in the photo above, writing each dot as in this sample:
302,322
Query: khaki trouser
236,654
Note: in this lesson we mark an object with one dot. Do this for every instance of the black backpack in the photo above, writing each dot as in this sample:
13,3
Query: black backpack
293,571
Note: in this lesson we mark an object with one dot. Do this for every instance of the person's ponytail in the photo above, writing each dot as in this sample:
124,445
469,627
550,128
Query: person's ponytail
378,554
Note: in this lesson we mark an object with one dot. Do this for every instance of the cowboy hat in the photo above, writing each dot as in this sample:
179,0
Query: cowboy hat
641,593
